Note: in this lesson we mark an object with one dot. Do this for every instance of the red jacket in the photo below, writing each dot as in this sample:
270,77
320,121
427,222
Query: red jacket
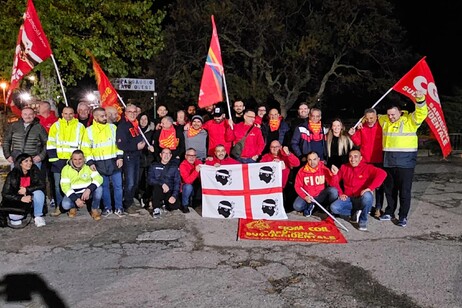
188,171
216,133
254,143
314,180
356,179
370,141
226,161
290,161
48,121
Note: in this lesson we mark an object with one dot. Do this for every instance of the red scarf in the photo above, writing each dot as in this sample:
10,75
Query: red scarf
167,138
274,124
316,129
134,131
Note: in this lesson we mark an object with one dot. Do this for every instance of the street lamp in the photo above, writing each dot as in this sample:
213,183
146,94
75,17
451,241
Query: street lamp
24,97
4,85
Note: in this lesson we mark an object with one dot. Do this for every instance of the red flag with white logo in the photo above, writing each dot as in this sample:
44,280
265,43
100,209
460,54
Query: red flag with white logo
420,78
32,47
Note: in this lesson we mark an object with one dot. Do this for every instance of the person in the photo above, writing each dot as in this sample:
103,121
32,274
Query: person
169,137
303,112
190,179
143,191
261,115
196,137
165,180
220,157
309,136
368,137
161,111
216,129
318,181
254,143
238,111
131,142
25,136
400,143
359,181
24,184
80,185
338,144
45,115
191,110
83,114
275,129
112,115
207,112
64,138
181,119
279,153
103,155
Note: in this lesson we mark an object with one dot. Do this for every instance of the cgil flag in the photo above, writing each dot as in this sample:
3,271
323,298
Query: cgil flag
251,191
211,90
107,92
420,78
32,47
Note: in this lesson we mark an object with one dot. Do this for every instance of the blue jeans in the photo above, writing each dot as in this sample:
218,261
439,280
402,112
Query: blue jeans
58,192
327,196
131,169
95,199
116,179
353,204
245,160
38,197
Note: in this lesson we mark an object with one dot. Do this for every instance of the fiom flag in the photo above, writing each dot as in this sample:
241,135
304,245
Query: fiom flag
252,191
420,78
211,90
106,90
32,47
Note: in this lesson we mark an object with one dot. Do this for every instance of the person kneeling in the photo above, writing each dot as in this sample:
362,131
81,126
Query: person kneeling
24,187
80,185
359,181
312,179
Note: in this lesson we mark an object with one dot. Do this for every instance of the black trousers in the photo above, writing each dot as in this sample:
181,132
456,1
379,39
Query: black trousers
398,184
159,198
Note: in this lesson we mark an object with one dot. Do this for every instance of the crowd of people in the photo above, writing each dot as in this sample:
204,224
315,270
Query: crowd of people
100,162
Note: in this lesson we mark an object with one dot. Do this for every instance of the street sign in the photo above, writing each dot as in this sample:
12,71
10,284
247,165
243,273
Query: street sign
133,84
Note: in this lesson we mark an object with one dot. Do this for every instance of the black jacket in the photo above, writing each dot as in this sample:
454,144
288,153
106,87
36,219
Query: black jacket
13,181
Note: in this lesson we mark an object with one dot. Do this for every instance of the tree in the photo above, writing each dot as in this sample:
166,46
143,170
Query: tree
121,34
289,50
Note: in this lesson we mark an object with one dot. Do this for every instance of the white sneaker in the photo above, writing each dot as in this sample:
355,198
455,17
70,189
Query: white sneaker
15,222
40,221
156,213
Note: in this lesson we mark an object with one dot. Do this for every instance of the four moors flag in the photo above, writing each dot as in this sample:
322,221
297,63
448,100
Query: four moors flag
211,90
420,78
32,47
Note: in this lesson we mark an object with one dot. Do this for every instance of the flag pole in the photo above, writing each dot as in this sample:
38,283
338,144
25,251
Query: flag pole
376,103
59,78
139,128
327,212
226,94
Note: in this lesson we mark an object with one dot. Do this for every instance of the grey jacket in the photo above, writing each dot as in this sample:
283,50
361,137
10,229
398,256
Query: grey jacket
31,140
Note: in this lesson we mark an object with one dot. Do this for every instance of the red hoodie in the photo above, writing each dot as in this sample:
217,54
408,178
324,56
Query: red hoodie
48,121
188,171
356,179
254,143
370,141
226,161
314,180
216,133
289,160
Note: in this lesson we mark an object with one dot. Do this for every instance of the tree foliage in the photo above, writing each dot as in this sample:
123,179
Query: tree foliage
289,50
121,35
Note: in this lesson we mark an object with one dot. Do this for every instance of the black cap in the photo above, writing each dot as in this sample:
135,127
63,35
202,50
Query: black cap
218,111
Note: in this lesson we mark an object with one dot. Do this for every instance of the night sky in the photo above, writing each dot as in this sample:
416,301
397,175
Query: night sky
435,30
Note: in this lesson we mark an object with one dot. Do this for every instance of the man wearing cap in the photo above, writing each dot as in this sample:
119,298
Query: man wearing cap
216,129
196,137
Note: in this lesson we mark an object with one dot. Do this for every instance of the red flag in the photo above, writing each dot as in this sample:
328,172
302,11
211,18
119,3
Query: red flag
32,47
211,90
106,90
420,78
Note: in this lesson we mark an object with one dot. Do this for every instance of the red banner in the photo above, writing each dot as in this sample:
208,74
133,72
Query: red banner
106,90
295,231
420,78
211,90
32,47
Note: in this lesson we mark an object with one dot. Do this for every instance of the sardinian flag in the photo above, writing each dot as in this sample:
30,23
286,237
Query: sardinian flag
32,47
252,191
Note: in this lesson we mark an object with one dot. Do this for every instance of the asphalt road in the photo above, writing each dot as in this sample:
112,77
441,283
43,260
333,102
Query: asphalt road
184,260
